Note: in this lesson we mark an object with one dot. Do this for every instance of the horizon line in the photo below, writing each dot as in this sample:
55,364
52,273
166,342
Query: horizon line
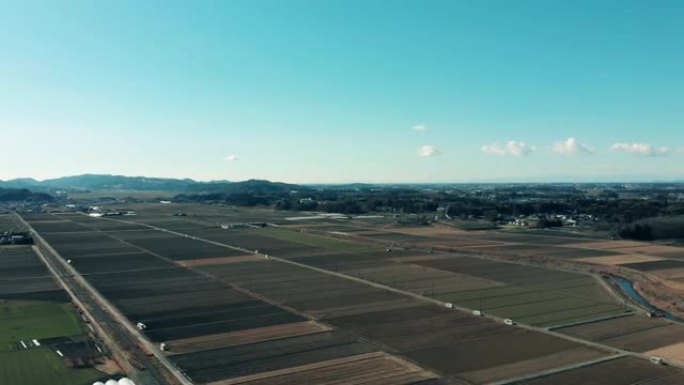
522,180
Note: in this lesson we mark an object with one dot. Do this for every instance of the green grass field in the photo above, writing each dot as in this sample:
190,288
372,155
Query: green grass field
20,320
27,320
41,366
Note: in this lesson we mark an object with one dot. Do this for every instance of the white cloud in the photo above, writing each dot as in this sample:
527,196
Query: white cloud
420,128
643,149
571,147
428,150
232,158
493,149
513,147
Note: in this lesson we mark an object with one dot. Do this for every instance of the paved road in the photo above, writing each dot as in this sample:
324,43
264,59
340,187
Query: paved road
119,353
120,336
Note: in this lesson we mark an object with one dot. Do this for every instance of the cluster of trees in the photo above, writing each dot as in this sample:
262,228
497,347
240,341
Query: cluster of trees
362,202
241,199
333,201
612,209
637,231
23,195
650,229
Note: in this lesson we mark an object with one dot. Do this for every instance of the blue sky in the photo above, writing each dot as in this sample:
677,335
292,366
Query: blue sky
344,91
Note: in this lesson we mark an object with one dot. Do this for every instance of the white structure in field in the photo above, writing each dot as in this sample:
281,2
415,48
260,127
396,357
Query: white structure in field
122,381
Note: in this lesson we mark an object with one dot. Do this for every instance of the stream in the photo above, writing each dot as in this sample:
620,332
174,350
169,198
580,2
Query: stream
628,288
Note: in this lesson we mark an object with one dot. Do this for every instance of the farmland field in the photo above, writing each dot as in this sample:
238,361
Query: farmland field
656,265
542,296
638,334
267,356
312,240
623,371
8,222
233,316
528,294
33,307
414,330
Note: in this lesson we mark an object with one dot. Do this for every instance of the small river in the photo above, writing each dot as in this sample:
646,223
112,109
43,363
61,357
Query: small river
628,288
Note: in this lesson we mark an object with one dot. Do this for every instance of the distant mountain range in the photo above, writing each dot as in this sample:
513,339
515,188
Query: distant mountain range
105,182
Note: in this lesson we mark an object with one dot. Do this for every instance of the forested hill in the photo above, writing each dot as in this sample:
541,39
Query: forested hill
95,182
23,195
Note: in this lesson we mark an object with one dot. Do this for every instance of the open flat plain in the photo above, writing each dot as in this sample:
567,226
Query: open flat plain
327,302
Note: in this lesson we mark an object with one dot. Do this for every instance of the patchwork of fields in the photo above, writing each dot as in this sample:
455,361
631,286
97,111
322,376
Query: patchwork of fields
639,334
229,316
427,334
213,330
527,294
623,371
663,261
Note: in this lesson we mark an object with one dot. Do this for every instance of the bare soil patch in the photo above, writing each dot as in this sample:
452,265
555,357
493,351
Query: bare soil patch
538,364
220,260
360,369
622,371
674,352
214,341
620,259
610,245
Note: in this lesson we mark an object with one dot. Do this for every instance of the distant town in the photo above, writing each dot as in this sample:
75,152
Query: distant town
642,211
